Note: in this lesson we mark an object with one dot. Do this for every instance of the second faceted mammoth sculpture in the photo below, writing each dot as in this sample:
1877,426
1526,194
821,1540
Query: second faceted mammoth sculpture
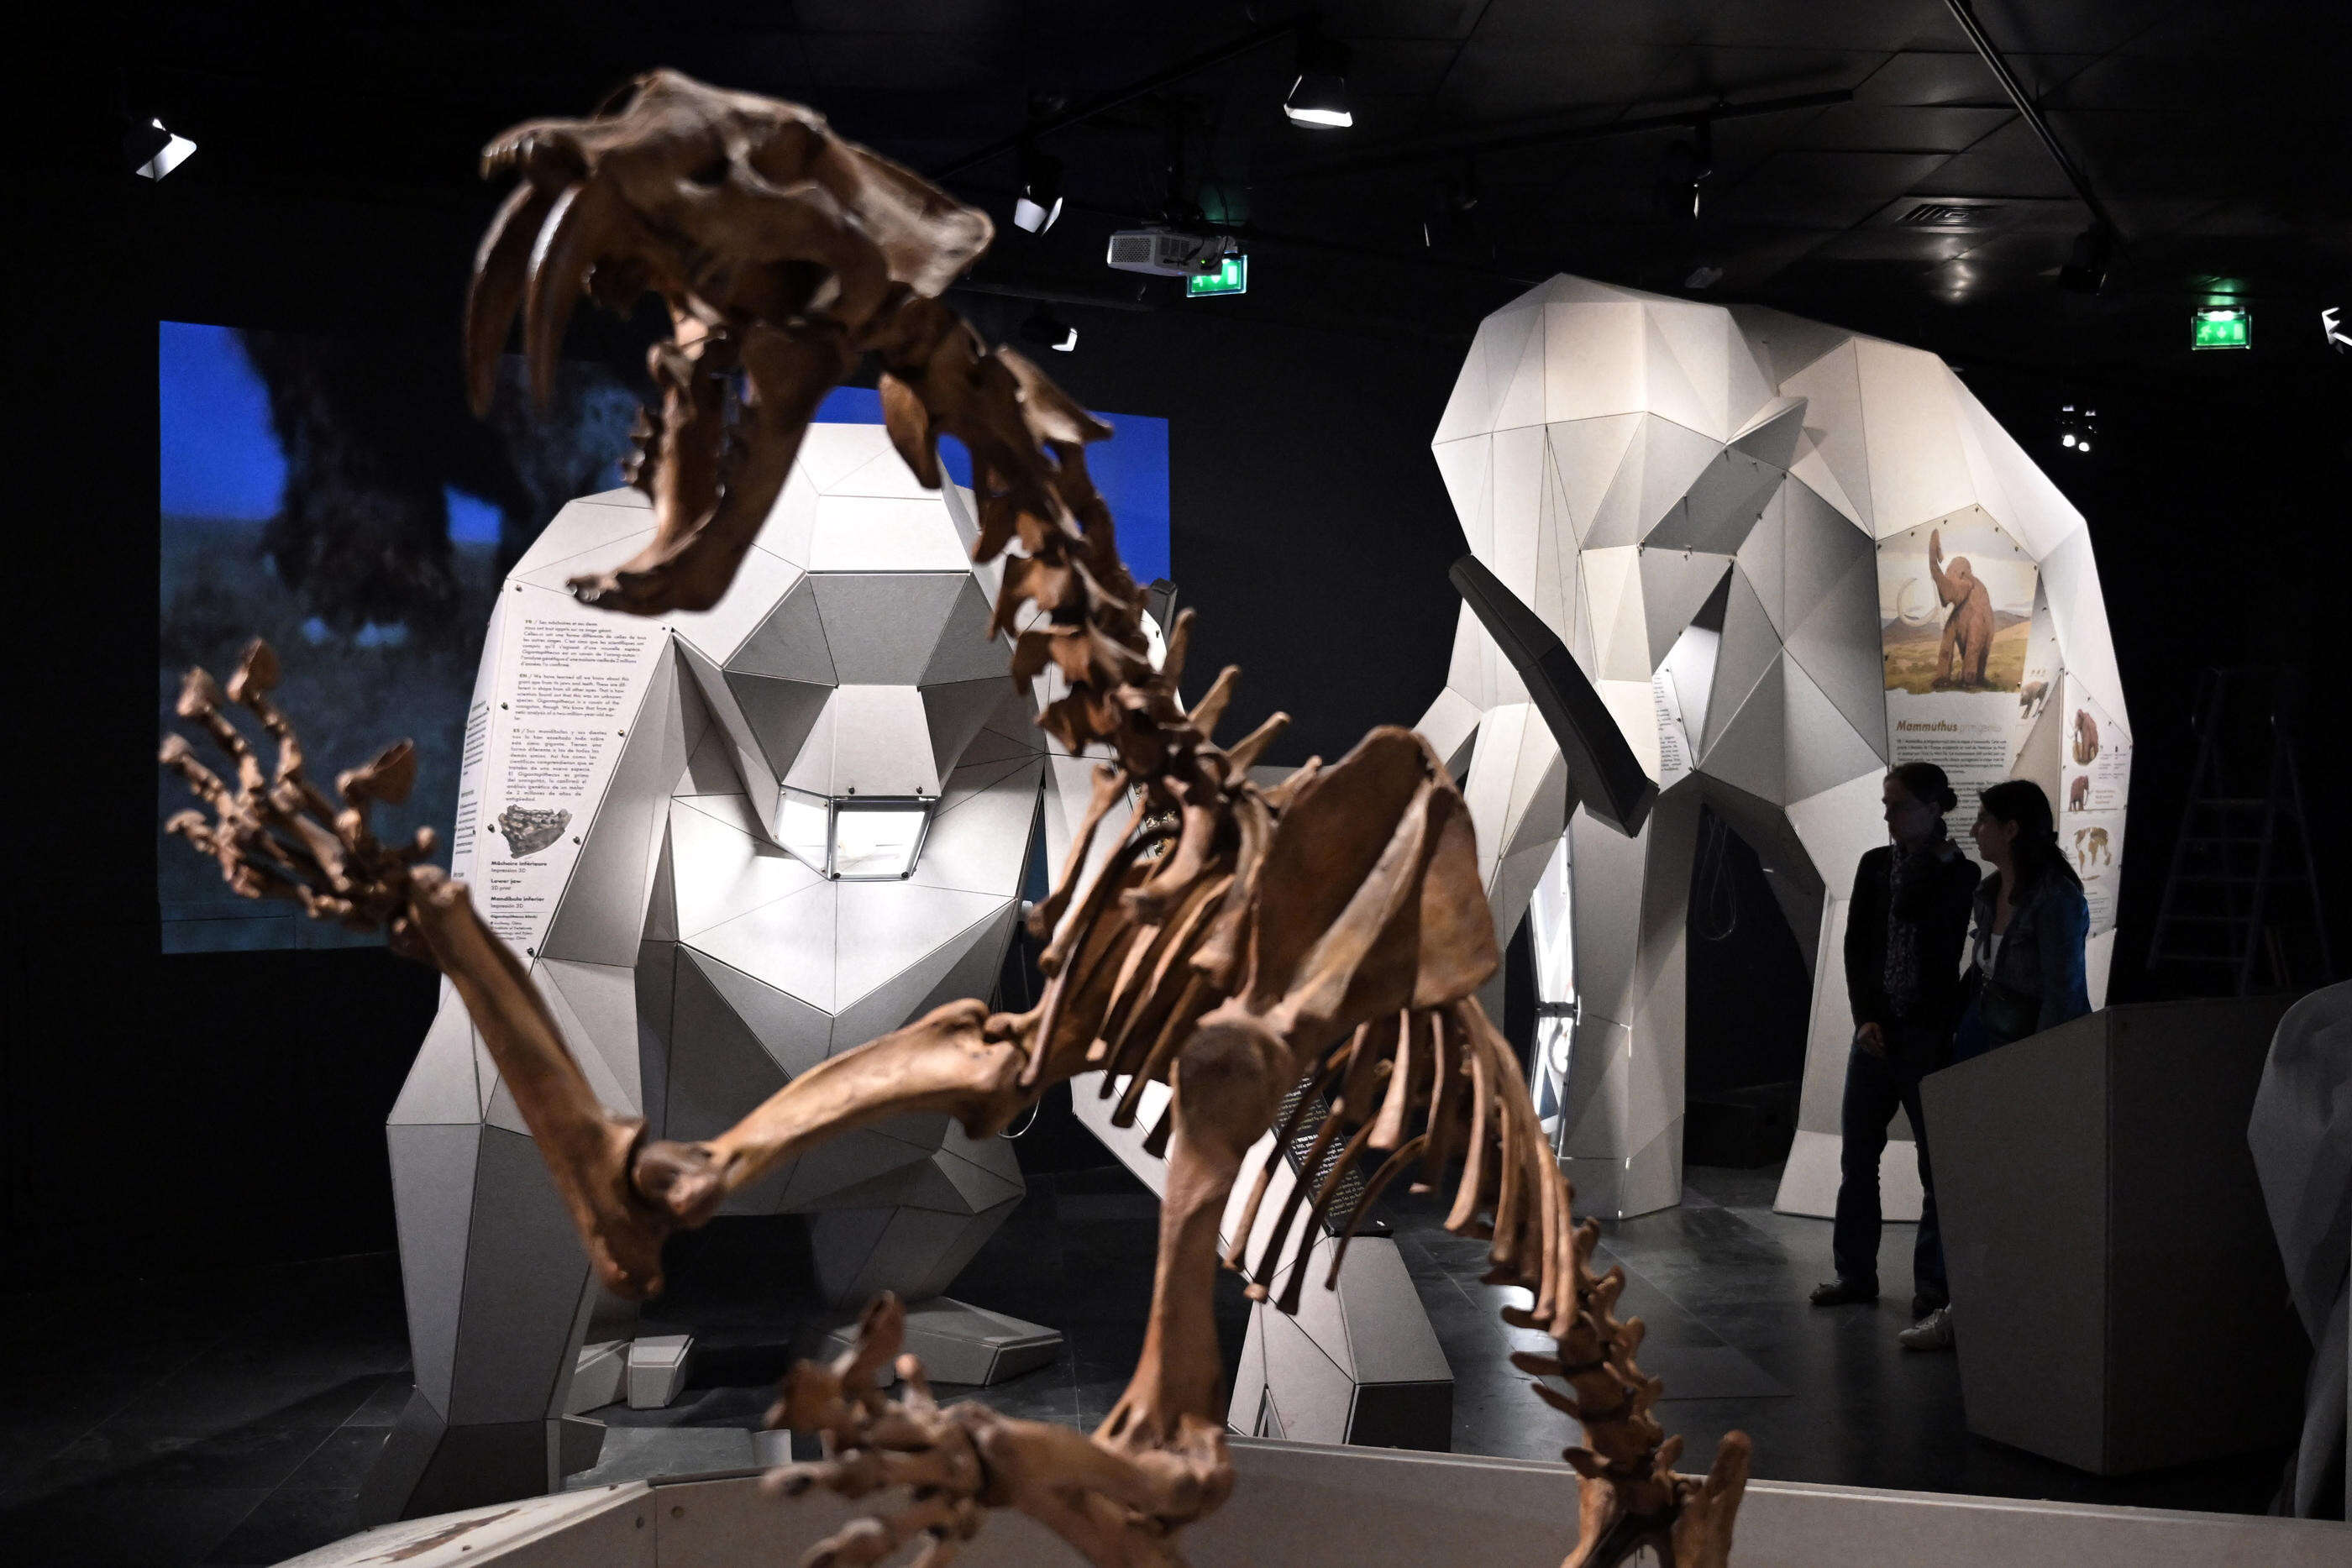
1235,942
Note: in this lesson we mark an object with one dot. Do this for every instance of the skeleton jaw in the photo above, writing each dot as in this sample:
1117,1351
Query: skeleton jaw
781,252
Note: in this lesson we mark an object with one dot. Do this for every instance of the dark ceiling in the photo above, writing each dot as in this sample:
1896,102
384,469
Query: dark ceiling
2216,135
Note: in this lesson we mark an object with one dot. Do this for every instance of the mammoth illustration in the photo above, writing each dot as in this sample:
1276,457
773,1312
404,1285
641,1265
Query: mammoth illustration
1967,631
2078,793
2086,739
2091,846
2032,698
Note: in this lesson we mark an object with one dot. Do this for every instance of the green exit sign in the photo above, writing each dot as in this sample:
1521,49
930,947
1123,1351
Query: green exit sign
1232,277
2221,327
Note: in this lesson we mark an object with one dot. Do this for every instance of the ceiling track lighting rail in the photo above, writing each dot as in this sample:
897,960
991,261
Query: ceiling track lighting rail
1398,155
2087,269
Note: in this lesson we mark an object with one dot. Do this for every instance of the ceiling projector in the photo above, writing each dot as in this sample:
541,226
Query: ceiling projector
1167,254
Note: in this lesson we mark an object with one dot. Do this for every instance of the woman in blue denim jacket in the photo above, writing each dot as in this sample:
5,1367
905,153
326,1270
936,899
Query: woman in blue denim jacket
2026,953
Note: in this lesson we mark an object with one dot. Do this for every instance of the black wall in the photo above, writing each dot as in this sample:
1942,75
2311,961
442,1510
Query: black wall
161,1112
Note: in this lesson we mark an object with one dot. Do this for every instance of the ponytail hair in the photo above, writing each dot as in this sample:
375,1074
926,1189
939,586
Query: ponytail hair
1925,782
2022,803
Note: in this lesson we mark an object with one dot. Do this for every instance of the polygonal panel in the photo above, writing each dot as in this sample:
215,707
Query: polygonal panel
557,571
585,523
1675,583
722,870
882,738
1494,357
789,644
750,765
1824,750
787,943
718,1067
1621,633
1749,750
1838,647
603,1000
1673,459
955,713
872,533
760,584
1586,454
1832,388
979,842
441,1089
1464,467
1790,343
432,1205
1821,548
524,1276
882,626
1771,436
890,927
1722,505
1517,500
849,1161
602,912
794,1034
1762,558
965,650
779,715
1917,470
656,991
1669,388
1522,402
1593,354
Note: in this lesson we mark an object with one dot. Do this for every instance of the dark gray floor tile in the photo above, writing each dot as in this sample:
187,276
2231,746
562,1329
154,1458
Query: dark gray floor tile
138,1527
287,1523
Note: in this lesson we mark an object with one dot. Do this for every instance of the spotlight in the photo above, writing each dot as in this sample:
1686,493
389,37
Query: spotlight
2077,422
153,151
1040,202
1318,99
1044,327
2085,271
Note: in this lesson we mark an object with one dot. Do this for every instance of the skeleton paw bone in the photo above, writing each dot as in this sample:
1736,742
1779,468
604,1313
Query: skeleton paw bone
1117,1509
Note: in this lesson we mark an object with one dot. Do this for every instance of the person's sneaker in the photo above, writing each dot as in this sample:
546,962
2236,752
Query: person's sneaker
1923,1305
1843,1292
1933,1332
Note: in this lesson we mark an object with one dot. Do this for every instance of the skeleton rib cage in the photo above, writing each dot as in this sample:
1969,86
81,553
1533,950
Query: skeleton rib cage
1236,941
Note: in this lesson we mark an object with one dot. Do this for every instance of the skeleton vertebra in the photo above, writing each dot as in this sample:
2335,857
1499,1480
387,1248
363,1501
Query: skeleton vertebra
1331,928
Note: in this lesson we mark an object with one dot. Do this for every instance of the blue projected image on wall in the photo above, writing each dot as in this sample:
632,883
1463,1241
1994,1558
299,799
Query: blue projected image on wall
335,496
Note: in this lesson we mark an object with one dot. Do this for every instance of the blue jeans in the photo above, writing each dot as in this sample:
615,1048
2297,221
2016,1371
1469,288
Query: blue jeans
1874,1088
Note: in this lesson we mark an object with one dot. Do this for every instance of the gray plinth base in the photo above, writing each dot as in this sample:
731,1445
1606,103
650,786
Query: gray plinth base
428,1467
963,1344
658,1364
598,1377
2118,1298
1304,1505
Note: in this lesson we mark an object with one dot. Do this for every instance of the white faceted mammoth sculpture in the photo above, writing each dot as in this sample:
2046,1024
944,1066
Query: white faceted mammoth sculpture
1786,556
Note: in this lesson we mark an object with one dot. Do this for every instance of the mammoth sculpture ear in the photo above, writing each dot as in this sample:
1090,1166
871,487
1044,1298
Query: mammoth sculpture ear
911,431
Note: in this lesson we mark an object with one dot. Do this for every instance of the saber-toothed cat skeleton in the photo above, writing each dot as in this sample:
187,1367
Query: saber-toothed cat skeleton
1330,929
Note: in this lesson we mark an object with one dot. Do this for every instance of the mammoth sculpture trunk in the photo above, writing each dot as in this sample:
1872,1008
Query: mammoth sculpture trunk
1331,928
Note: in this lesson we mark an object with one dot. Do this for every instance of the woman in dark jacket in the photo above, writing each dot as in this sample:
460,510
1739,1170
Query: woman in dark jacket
2026,970
2026,959
1903,937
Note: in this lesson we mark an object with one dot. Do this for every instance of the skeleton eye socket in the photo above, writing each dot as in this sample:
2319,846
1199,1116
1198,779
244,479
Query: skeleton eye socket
709,173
